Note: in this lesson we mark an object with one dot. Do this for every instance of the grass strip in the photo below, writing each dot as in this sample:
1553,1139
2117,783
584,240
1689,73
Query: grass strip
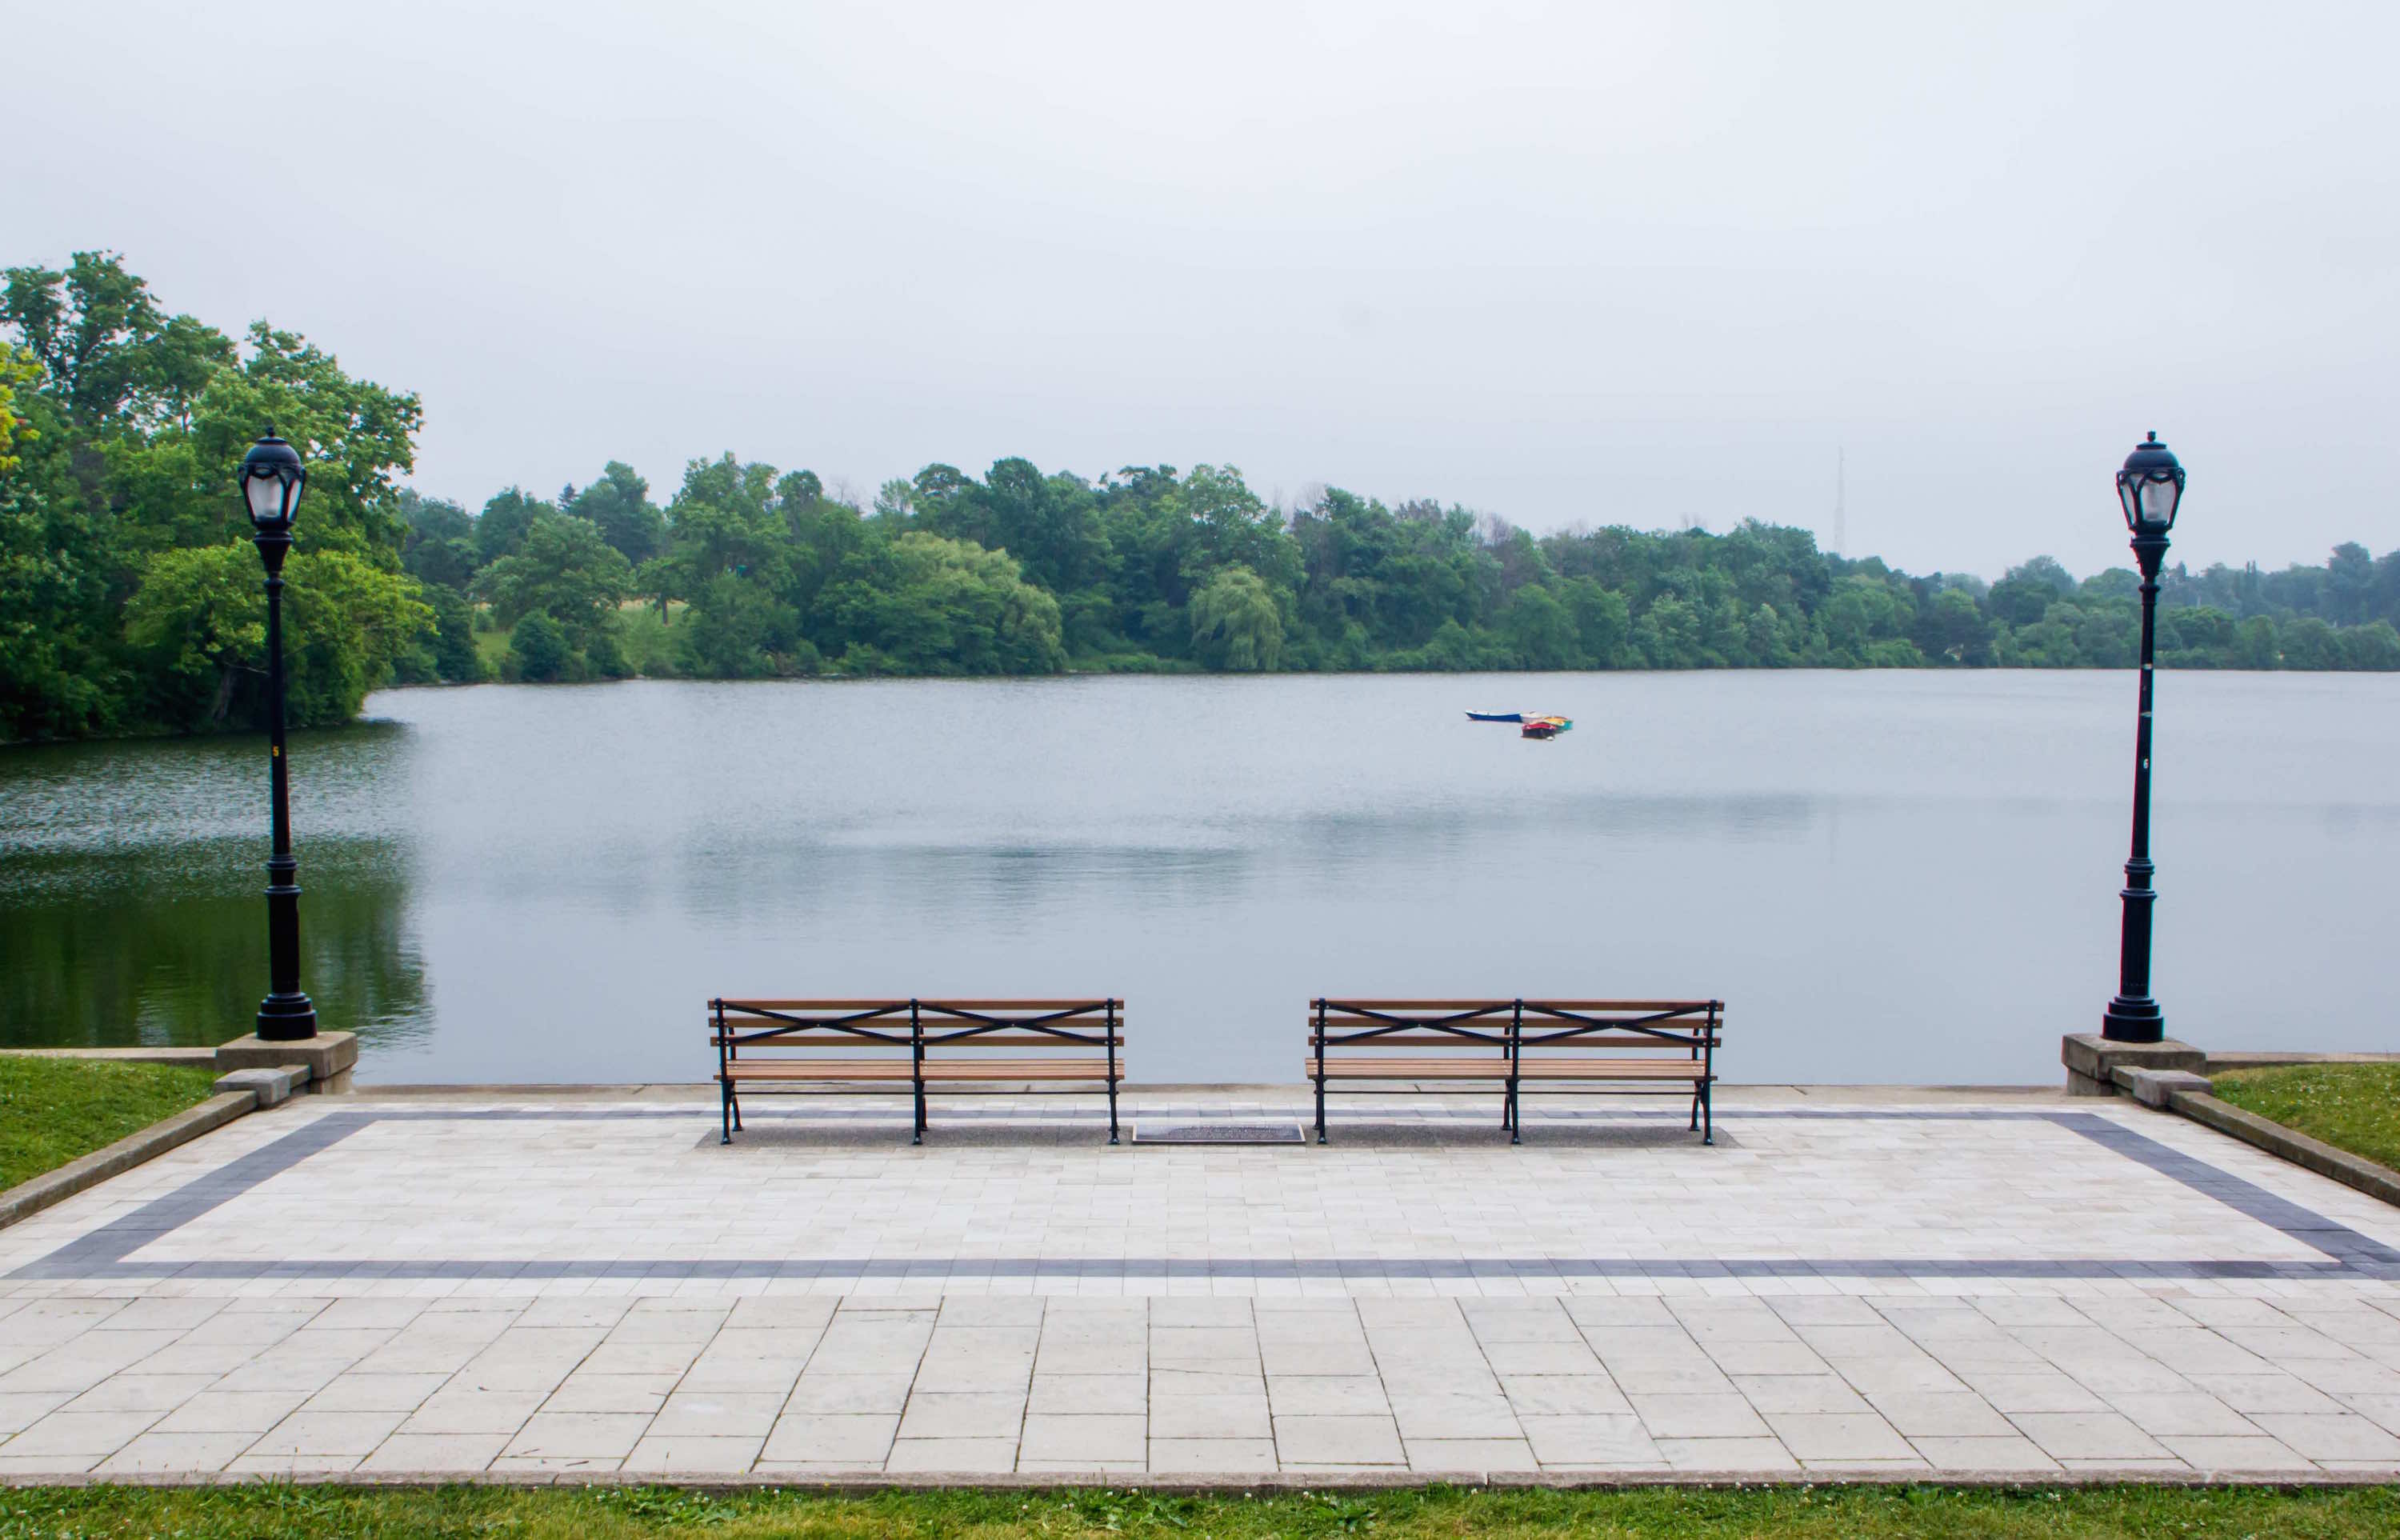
2353,1107
1684,1513
54,1109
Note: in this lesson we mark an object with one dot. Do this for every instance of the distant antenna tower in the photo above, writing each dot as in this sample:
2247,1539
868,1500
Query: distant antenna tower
1841,503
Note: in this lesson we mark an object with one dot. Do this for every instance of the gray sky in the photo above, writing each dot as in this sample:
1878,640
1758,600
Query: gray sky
1608,261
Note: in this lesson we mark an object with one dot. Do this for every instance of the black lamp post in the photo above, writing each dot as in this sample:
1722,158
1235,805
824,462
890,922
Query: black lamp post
2150,485
271,481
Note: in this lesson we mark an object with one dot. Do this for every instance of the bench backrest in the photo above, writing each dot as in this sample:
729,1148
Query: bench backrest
1517,1026
755,1027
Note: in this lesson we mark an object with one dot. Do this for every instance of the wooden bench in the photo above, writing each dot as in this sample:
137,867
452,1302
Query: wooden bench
785,1047
1607,1047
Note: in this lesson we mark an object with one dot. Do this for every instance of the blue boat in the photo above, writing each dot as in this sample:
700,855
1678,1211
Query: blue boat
1496,715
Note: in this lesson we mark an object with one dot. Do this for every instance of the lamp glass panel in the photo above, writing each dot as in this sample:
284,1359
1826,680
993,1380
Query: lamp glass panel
2159,495
2128,493
266,496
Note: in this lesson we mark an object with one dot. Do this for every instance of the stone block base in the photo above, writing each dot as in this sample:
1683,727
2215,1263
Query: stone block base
328,1058
2091,1061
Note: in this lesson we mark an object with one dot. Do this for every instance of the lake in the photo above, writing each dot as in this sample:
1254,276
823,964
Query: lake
1894,877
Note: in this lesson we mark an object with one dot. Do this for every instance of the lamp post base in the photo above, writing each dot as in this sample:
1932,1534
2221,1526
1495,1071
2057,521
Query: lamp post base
2134,1021
330,1058
286,1019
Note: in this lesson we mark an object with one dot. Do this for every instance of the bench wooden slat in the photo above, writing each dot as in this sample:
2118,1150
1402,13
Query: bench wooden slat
904,1069
831,1042
1084,1002
1435,1040
1408,1068
1497,1069
1701,1006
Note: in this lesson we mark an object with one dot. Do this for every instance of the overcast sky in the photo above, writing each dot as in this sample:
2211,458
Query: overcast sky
1636,263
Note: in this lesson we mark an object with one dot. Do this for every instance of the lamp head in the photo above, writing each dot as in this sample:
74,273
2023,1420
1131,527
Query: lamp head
272,478
2150,486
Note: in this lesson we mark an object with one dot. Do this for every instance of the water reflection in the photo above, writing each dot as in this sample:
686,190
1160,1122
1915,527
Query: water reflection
146,948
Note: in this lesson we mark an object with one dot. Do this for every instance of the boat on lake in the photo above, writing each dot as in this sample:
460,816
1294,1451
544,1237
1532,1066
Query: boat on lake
1530,724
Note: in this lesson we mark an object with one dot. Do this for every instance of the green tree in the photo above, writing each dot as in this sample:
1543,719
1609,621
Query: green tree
1234,624
2376,646
451,652
537,649
197,626
926,605
619,506
505,522
564,569
1540,630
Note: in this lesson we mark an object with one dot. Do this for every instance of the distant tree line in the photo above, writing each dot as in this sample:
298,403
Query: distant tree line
129,597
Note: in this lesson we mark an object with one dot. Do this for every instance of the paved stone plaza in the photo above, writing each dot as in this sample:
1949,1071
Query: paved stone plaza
1865,1283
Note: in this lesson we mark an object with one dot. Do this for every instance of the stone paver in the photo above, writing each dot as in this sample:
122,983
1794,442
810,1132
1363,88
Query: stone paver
389,1287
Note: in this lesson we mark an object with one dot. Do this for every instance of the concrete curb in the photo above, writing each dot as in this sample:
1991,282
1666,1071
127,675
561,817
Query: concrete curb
2350,1170
1233,1483
30,1197
199,1057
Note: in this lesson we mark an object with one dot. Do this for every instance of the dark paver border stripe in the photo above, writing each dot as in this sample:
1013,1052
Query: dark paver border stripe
102,1253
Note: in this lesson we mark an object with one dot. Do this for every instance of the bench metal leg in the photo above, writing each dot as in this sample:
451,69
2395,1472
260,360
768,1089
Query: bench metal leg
1708,1116
920,1136
1516,1132
1696,1109
1112,1111
724,1111
1320,1109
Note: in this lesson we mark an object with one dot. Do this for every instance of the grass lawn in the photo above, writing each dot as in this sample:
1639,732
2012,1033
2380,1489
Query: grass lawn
53,1110
648,640
2353,1107
1827,1513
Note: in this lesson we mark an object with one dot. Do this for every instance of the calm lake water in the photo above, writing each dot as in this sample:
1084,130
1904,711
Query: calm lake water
1904,877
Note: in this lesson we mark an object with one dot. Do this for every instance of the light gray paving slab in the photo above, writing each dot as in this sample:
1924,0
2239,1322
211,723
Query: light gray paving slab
2256,1452
1838,1437
456,1412
717,1414
962,1414
134,1392
1212,1456
418,1453
608,1435
1576,1440
177,1454
1919,1415
1470,1456
1748,1456
325,1434
1726,1415
831,1438
691,1455
1313,1440
1323,1395
2339,1436
1104,1438
952,1456
1206,1417
1088,1394
622,1393
2012,1451
1482,1414
2091,1436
